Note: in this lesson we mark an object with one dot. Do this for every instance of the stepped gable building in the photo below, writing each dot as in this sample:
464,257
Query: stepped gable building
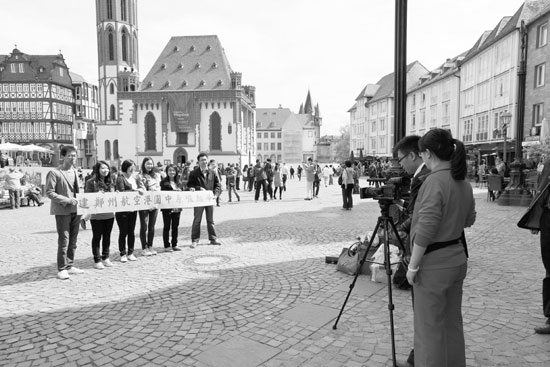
36,101
371,117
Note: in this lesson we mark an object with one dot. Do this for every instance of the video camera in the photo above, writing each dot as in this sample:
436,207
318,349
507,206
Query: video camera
393,189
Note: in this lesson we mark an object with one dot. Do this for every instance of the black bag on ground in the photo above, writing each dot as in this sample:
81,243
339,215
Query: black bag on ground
400,276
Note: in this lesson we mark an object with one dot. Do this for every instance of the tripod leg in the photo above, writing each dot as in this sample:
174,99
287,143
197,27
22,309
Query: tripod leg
387,265
399,240
352,285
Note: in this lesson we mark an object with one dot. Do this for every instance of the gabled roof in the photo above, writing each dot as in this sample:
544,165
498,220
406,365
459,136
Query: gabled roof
368,92
387,85
444,70
529,10
190,63
77,78
272,118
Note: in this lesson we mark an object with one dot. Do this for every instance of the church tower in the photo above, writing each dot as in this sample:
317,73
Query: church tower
117,42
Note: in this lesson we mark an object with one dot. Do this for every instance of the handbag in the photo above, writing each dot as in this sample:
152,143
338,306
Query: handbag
348,261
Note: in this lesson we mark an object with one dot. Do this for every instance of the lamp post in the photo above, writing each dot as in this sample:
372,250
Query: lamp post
505,119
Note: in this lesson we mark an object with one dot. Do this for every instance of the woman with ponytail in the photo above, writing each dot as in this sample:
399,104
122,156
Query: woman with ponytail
444,207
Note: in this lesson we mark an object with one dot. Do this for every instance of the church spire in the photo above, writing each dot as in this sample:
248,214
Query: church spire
301,111
308,107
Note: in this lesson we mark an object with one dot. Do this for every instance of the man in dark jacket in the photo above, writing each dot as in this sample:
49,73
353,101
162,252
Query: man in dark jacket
261,180
201,179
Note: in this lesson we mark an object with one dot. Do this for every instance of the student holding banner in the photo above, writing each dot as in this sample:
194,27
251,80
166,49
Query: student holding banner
126,220
149,181
102,223
171,217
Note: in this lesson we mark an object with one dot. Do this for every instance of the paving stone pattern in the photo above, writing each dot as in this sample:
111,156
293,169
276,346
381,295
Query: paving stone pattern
265,297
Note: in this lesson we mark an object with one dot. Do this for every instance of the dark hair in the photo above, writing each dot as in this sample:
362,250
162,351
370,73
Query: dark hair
126,165
201,154
409,144
347,163
66,149
143,169
441,143
177,176
102,184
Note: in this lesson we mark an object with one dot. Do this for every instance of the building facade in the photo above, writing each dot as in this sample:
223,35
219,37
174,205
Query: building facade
190,101
433,101
36,102
372,115
537,90
86,117
279,135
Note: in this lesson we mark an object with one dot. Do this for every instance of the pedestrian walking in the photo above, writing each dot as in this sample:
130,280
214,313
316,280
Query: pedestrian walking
284,172
13,184
126,221
102,223
203,178
231,182
278,181
291,170
346,172
170,217
309,169
148,180
261,180
61,188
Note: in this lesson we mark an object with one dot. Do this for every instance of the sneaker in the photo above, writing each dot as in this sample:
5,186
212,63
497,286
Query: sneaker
63,274
168,249
215,243
124,258
146,252
107,263
194,244
99,266
75,270
176,248
132,257
152,251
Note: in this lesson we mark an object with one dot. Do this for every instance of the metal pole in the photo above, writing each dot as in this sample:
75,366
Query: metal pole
400,73
520,115
504,131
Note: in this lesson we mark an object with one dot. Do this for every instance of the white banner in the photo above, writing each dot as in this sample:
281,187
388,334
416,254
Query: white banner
129,201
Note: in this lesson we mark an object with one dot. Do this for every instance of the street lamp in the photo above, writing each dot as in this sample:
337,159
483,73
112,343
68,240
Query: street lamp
505,119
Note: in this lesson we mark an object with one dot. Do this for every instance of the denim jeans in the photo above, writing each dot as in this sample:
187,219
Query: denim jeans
147,220
67,234
101,232
127,225
14,198
263,185
196,229
171,221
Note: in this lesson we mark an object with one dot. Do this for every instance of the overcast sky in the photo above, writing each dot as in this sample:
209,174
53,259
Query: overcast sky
283,47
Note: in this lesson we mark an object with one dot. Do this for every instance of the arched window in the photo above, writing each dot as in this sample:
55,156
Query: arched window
107,150
115,149
215,132
112,88
111,45
112,112
124,45
123,12
150,132
109,9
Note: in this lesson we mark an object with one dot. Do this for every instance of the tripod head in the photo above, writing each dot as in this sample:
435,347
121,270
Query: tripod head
385,204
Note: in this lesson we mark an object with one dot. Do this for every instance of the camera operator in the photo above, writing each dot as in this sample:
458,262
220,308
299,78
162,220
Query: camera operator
409,159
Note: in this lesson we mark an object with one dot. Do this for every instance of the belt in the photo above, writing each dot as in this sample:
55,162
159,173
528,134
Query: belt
439,245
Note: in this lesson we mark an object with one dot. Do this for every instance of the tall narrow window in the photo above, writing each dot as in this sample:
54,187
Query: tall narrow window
150,132
123,12
542,35
124,45
538,110
111,88
539,75
109,9
112,112
111,45
107,150
115,149
215,132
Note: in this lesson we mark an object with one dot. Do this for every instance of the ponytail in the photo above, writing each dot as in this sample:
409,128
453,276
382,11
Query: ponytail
458,161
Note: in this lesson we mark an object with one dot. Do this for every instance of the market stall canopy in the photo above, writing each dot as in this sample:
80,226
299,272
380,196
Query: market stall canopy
10,147
37,148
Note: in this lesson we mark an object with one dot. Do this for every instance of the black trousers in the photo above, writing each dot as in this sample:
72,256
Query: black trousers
263,185
347,197
270,188
126,225
316,185
101,232
171,222
545,252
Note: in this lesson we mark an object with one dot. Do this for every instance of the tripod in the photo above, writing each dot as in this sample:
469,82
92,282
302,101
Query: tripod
385,221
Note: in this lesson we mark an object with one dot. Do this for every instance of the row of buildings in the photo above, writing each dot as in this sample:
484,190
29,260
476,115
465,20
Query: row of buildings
503,75
190,101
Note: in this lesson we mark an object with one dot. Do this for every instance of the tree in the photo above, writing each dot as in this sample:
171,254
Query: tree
341,146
